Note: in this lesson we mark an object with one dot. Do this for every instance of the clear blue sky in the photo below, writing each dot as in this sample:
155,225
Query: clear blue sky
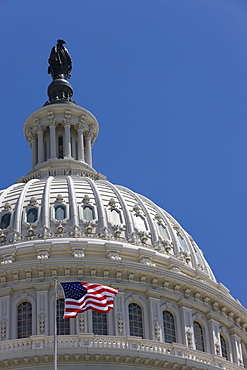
167,81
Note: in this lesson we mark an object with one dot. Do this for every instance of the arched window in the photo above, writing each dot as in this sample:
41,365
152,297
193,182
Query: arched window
223,347
198,335
169,327
135,320
182,242
32,215
24,320
99,322
63,325
88,213
5,221
60,212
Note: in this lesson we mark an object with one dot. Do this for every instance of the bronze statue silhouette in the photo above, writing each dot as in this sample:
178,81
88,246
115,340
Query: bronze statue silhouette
60,61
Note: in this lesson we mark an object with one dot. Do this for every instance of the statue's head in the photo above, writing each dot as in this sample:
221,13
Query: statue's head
61,42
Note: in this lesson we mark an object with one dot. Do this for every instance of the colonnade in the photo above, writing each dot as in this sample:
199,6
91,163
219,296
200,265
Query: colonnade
75,146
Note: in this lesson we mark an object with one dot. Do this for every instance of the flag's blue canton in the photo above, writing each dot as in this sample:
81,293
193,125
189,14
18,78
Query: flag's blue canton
74,290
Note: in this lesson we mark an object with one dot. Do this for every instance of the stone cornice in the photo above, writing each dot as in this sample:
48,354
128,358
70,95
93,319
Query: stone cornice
151,281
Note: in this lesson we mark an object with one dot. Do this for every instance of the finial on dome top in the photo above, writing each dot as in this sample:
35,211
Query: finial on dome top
60,61
60,66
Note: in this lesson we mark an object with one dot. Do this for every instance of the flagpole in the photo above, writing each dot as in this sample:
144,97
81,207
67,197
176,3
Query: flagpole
55,326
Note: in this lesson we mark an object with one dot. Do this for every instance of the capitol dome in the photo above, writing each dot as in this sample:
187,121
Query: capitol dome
66,221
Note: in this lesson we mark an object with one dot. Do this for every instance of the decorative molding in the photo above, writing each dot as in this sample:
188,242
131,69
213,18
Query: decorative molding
120,322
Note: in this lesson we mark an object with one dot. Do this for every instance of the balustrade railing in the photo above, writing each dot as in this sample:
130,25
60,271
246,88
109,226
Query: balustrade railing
130,344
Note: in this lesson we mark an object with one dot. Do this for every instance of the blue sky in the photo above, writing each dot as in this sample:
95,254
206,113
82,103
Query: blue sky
167,81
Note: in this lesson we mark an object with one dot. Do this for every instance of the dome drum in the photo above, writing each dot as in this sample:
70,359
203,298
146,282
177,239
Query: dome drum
59,132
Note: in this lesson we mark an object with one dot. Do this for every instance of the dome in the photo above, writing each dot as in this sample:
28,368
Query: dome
65,222
76,208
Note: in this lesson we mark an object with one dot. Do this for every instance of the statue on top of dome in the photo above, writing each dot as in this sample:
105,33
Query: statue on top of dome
60,61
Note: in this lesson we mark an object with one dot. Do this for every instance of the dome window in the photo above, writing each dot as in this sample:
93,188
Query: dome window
223,347
163,231
198,335
135,320
182,242
5,221
32,215
169,327
60,213
99,323
63,325
32,211
140,222
114,215
88,213
24,320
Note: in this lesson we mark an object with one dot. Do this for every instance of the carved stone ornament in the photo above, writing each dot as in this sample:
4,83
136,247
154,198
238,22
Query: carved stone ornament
117,230
217,348
79,253
3,236
31,230
159,246
42,322
120,322
75,231
114,255
189,338
43,254
81,319
144,236
147,261
105,234
60,226
7,207
134,238
157,330
45,232
89,226
8,258
3,327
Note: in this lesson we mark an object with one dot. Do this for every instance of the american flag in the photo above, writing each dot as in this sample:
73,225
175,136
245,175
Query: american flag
80,297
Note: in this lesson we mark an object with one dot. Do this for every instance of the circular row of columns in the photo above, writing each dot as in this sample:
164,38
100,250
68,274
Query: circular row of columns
38,150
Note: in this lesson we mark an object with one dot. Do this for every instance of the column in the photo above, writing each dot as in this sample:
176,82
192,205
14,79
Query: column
80,142
53,146
34,151
187,325
67,143
40,145
88,149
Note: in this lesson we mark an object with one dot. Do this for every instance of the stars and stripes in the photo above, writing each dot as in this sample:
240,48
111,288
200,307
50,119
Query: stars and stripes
80,297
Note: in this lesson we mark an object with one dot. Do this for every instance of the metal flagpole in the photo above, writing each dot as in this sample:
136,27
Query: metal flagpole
55,327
